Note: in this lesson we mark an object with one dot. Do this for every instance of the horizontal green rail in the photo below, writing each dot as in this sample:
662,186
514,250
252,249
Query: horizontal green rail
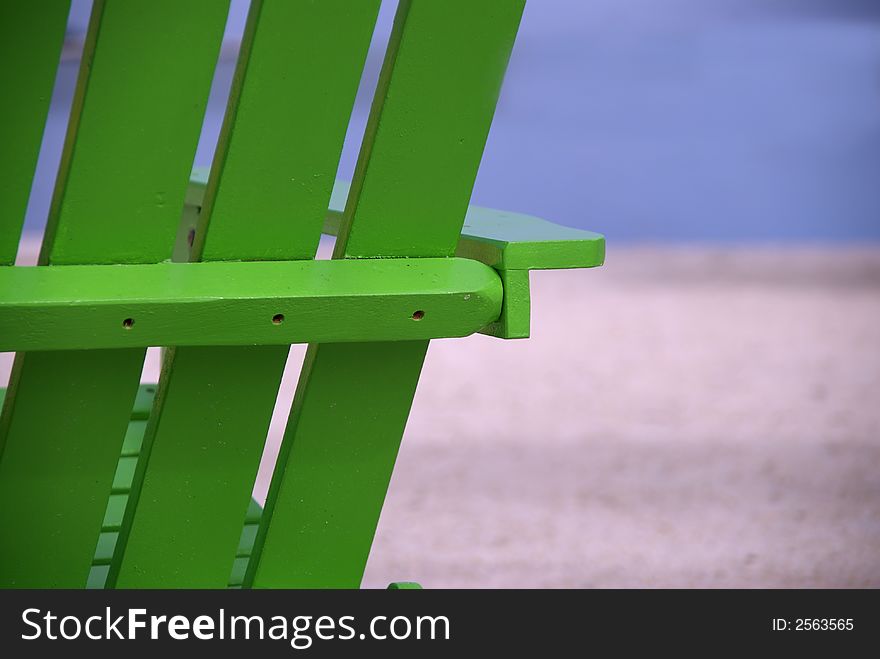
255,303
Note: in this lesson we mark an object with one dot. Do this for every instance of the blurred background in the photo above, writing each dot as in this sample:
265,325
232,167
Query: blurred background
738,121
703,410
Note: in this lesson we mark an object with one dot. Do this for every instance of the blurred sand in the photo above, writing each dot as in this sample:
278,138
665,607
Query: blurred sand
680,418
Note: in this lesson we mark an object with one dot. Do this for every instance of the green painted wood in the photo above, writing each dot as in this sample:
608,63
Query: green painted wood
124,474
513,241
186,231
33,33
259,303
105,548
271,179
143,403
114,512
135,121
186,516
109,534
513,244
278,153
246,541
134,437
54,482
97,576
501,239
426,132
335,462
239,567
425,136
513,322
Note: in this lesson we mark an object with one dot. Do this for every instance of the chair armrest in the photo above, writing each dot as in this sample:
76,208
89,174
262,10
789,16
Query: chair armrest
511,243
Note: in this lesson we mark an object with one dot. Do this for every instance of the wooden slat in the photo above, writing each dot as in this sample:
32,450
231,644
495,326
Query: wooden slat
266,199
110,531
424,139
283,133
135,121
136,117
501,239
31,36
236,304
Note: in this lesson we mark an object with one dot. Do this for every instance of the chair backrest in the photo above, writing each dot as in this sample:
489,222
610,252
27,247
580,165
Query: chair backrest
146,72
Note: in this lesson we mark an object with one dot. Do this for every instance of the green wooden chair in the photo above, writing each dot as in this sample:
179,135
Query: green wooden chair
108,483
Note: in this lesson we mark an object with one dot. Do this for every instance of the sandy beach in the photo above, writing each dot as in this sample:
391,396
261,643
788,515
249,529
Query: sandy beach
679,418
682,417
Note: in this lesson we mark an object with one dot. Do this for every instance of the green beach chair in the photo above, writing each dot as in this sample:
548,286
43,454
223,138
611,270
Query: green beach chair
105,482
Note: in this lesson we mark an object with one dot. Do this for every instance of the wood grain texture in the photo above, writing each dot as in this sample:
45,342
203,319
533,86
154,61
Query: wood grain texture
270,182
426,132
30,33
136,116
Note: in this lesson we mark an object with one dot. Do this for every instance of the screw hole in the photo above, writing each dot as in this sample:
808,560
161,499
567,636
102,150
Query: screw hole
278,318
418,315
128,323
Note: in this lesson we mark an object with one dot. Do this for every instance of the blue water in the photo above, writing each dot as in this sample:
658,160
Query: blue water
675,120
